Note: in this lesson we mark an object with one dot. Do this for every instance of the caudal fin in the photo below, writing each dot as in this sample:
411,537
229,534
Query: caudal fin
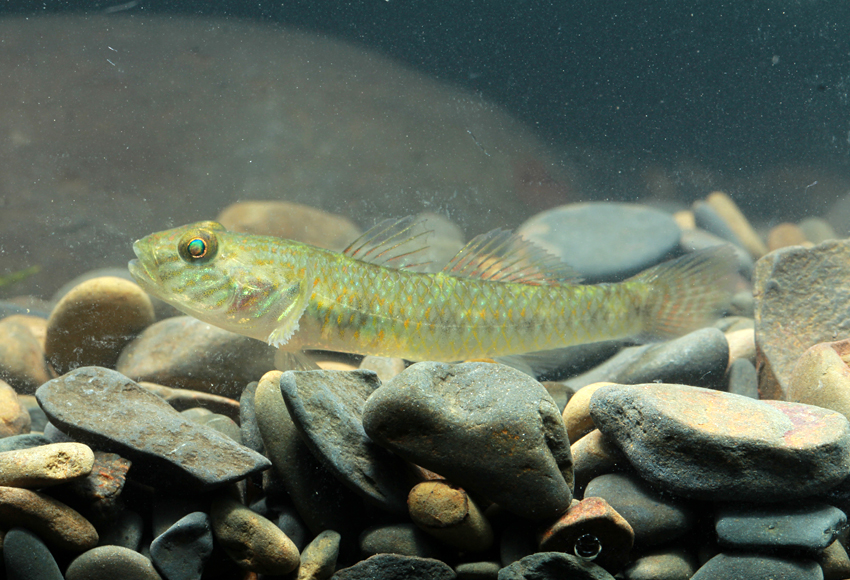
687,293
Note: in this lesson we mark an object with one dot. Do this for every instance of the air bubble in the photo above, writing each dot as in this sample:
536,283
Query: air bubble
587,547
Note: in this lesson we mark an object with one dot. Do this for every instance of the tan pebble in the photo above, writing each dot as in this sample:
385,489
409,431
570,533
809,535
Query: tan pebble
742,344
737,221
22,362
14,418
685,219
817,230
292,221
834,561
577,412
36,325
45,465
821,377
252,541
448,513
385,367
335,365
94,321
318,560
55,523
785,235
595,455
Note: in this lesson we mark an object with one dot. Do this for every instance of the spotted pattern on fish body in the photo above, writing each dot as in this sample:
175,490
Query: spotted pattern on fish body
500,296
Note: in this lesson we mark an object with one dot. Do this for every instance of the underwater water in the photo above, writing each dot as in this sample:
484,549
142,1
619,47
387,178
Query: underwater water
650,378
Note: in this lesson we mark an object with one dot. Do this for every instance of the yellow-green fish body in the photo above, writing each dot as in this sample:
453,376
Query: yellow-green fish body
500,295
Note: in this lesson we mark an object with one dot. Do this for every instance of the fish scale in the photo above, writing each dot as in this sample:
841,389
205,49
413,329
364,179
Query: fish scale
500,295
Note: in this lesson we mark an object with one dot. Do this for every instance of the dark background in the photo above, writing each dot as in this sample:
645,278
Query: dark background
735,85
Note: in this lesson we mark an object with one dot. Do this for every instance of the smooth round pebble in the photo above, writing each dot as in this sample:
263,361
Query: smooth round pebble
55,523
801,527
446,512
14,418
111,563
126,530
22,362
45,465
757,567
584,236
93,322
478,570
318,560
553,566
595,455
784,235
405,539
728,447
737,221
27,558
577,412
821,377
489,428
181,552
662,564
252,541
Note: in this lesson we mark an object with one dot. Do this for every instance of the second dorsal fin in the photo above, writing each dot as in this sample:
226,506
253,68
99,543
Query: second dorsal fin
502,256
392,243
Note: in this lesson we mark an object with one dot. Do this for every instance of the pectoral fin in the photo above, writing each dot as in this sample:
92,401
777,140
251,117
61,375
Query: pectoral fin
295,299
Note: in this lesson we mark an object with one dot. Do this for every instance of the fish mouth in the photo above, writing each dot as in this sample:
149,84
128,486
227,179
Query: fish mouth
139,268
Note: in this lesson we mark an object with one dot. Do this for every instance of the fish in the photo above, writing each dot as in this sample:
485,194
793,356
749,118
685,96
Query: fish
500,296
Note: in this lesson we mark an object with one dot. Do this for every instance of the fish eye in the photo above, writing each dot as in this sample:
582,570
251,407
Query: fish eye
197,246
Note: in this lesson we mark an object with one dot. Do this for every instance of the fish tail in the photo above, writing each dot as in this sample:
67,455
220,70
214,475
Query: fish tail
686,293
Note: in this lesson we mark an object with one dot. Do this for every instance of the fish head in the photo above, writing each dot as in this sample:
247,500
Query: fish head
221,277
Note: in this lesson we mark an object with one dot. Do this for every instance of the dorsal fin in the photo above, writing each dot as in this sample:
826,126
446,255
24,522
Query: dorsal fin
502,256
392,243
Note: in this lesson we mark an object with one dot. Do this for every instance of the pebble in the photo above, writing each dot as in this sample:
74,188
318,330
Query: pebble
804,285
581,235
38,419
405,539
326,408
252,541
27,558
737,221
23,441
186,353
45,465
322,501
485,427
22,362
742,344
806,527
699,358
553,566
318,559
182,399
654,517
834,562
595,455
446,512
396,567
576,414
93,322
222,424
662,564
125,530
108,411
696,240
821,377
708,219
743,379
385,367
757,567
14,418
109,563
728,447
56,524
292,221
784,235
591,530
478,570
181,552
817,230
250,430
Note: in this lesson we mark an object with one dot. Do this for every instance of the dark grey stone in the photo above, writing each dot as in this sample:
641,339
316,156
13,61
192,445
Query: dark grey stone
655,518
697,239
26,441
807,527
405,539
110,563
553,566
757,567
396,567
125,531
27,557
605,242
181,552
326,408
718,446
477,571
743,379
486,427
293,526
105,409
251,437
698,359
710,221
662,564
